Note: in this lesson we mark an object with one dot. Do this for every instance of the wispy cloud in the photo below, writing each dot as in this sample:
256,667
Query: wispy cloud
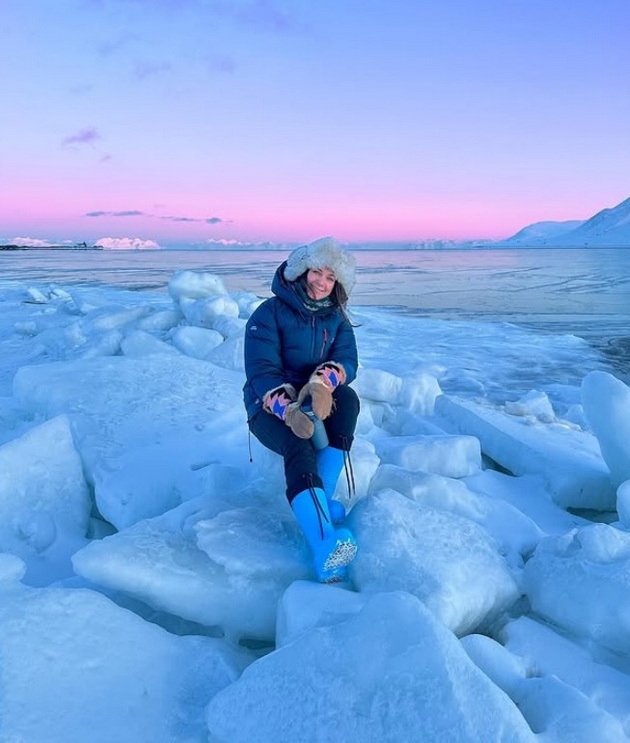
219,63
263,14
207,220
131,47
81,90
83,136
144,70
137,213
130,213
112,47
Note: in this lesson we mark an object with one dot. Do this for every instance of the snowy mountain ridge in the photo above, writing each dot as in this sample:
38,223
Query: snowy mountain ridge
608,228
543,231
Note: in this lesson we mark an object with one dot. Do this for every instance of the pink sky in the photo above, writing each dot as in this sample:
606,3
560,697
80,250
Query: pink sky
260,121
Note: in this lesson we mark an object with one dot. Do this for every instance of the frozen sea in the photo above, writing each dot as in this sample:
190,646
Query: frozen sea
585,292
155,588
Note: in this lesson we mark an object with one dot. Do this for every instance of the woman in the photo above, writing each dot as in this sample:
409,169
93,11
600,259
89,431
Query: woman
300,347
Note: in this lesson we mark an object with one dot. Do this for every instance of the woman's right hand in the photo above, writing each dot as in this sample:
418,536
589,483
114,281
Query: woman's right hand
281,403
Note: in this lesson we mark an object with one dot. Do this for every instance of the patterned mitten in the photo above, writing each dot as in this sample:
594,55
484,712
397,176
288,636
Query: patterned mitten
281,403
301,425
277,401
320,387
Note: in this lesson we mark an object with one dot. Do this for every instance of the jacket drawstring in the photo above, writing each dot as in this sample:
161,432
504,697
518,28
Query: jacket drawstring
347,466
319,510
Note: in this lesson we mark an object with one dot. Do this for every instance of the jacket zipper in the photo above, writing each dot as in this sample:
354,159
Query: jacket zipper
321,353
312,335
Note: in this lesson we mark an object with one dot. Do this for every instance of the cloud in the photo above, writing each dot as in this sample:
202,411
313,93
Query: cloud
207,220
81,90
171,218
233,243
223,241
219,63
129,213
84,136
144,70
126,243
113,46
262,14
31,242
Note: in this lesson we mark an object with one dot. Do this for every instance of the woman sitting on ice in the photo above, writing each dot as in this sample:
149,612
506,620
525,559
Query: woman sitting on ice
300,347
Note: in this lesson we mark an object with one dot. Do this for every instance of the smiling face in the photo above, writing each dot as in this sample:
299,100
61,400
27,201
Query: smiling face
319,282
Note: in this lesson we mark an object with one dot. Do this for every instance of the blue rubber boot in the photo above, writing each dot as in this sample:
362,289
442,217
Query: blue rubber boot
332,549
329,466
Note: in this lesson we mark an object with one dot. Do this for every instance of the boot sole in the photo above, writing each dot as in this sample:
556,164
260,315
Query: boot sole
337,578
343,554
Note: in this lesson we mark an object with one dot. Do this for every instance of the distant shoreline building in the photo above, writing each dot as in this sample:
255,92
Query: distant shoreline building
77,246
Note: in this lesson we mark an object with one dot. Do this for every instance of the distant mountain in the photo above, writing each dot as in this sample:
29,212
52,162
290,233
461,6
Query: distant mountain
427,244
539,232
608,228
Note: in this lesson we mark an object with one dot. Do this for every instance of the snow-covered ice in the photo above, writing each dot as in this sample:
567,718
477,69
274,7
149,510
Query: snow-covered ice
390,672
154,585
546,652
568,460
447,560
452,456
220,563
555,709
566,572
606,403
138,422
76,667
44,500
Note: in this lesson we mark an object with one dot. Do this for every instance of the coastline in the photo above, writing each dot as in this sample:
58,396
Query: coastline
80,246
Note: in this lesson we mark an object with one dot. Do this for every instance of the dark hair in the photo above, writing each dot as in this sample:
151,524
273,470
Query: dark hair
340,298
340,295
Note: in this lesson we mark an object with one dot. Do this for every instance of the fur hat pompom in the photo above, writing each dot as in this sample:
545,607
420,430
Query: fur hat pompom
323,253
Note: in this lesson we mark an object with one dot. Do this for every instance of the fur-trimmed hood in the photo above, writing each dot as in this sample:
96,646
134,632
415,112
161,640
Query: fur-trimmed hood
323,253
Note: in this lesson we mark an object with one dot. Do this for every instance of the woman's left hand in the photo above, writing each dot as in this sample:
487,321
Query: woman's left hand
321,397
320,386
301,425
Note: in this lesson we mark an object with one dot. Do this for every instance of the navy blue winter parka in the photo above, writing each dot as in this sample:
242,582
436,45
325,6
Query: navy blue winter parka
284,342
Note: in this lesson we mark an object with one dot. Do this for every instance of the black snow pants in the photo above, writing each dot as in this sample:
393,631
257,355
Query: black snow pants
300,460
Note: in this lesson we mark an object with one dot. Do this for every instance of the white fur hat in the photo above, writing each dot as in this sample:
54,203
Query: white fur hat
323,253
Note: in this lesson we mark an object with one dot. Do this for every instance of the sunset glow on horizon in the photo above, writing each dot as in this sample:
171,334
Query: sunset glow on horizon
281,121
